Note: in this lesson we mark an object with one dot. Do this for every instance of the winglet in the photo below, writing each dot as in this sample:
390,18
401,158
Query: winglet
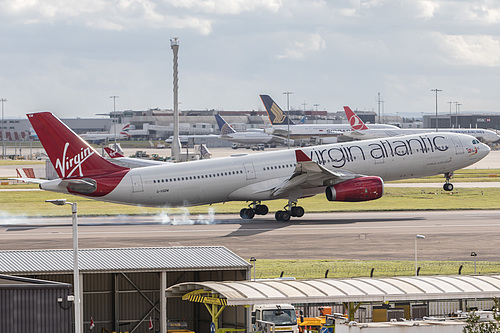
356,123
301,156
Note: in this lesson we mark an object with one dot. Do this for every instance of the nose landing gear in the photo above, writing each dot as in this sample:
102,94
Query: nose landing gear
448,186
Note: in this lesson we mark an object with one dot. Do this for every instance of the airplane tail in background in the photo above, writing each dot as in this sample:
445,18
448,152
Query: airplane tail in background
71,156
113,153
356,123
125,129
224,126
276,115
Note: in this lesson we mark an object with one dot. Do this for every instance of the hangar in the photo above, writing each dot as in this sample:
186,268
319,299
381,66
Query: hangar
29,305
350,292
123,289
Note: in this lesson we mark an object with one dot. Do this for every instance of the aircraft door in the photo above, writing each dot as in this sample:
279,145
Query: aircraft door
137,183
459,148
249,170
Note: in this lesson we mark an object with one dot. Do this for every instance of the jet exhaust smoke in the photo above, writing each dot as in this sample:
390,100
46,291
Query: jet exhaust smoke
185,217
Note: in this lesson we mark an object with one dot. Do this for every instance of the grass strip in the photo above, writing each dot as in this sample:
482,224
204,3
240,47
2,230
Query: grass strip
316,269
32,203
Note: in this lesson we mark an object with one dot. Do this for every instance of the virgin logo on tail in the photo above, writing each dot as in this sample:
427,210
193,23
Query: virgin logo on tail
67,166
356,123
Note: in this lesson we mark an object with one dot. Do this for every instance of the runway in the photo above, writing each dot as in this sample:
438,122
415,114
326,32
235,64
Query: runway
450,235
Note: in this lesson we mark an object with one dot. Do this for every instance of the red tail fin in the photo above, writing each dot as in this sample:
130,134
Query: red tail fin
356,123
70,155
112,153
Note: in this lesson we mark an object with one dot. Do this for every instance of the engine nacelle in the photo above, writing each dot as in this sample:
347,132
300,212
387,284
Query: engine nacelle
357,189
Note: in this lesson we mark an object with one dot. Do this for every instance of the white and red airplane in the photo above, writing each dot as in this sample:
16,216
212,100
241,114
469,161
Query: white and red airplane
284,126
361,131
351,171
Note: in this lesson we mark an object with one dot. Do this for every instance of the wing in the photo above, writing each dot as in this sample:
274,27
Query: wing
280,132
30,180
309,174
135,162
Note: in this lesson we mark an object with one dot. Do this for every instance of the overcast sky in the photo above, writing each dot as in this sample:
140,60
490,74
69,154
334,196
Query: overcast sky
70,56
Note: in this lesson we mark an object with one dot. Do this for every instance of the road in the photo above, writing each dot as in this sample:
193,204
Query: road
366,236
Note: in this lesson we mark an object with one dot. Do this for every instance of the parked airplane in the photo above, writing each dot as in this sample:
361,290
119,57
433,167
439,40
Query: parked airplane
351,171
98,137
361,131
251,137
323,133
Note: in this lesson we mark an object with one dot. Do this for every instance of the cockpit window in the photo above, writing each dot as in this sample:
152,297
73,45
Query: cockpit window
475,141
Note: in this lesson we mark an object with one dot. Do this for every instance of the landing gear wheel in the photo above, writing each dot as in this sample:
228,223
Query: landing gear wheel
285,216
297,211
261,210
282,216
247,213
448,187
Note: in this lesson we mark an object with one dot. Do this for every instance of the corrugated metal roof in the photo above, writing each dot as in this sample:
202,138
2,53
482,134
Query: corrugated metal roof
125,259
348,290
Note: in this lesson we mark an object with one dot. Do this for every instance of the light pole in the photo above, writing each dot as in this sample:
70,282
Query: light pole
114,114
288,93
76,274
416,238
436,90
474,254
450,111
253,260
457,109
3,131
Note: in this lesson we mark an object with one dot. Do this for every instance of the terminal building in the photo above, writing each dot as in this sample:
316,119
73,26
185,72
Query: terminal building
157,124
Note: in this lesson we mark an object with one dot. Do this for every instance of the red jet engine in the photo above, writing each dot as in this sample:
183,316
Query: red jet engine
357,189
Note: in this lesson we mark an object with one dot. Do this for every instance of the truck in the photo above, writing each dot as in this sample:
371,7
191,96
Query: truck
283,317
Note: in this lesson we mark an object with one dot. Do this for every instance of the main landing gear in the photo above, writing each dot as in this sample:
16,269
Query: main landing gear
448,186
253,209
290,210
256,208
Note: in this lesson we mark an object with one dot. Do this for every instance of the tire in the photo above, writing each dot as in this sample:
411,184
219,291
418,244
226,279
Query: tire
247,213
285,216
250,213
261,210
448,187
297,211
278,215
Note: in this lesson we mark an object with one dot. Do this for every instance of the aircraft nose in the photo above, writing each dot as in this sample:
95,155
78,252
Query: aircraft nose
484,150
